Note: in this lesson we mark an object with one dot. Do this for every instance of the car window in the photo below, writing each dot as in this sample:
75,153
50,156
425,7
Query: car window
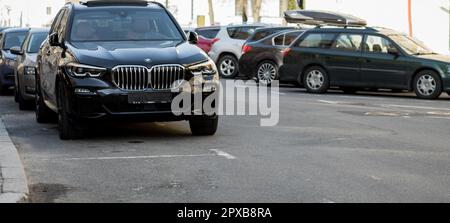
318,40
279,40
56,20
14,39
61,29
208,33
241,33
123,24
261,35
36,41
348,42
377,44
291,37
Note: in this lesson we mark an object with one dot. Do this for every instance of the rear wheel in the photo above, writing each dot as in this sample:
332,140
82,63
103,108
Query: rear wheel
427,85
228,66
67,126
267,72
316,80
204,125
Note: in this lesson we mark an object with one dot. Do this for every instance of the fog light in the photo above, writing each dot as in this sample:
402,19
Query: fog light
83,91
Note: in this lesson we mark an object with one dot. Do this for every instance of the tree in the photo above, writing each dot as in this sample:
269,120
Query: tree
211,12
243,9
256,10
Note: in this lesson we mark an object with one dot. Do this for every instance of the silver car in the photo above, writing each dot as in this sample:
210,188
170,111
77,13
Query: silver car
25,69
227,51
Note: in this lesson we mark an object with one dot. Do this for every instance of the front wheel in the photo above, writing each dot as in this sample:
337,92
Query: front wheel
428,85
43,113
267,72
204,125
67,126
316,80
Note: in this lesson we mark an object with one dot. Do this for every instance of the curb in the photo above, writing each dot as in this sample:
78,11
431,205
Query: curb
14,188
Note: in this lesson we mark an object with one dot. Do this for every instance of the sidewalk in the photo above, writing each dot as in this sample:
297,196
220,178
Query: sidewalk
13,183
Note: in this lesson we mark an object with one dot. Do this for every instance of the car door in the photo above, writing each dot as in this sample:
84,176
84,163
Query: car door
343,60
50,60
380,68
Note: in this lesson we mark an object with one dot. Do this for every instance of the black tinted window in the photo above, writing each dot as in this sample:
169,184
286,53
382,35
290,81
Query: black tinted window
35,42
318,40
208,33
348,42
290,37
14,39
241,33
126,24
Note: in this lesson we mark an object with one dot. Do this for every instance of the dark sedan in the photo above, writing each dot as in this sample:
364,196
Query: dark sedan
261,59
9,38
25,69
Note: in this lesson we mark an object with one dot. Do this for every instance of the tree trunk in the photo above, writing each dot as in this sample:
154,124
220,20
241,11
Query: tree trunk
256,10
284,7
211,12
243,7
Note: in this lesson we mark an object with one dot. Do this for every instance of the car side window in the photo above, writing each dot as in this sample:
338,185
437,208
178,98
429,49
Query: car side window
61,29
208,33
377,44
348,42
56,20
279,40
318,40
241,33
291,37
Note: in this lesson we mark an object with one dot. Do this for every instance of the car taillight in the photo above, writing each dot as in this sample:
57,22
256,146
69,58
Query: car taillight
286,51
246,48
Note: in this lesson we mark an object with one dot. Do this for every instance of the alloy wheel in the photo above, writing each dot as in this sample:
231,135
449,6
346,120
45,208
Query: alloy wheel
228,67
315,79
426,85
267,73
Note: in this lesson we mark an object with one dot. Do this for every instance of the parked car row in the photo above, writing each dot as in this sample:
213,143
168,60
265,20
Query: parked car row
341,51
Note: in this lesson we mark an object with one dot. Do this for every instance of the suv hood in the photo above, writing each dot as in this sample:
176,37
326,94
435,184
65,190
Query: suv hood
435,57
111,54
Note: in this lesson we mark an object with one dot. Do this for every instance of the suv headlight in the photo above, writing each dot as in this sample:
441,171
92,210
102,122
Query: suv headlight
30,71
207,68
80,70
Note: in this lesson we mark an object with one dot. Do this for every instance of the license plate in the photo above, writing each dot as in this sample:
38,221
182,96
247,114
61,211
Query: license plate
149,97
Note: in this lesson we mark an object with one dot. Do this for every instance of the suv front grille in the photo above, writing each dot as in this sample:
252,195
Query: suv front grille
140,78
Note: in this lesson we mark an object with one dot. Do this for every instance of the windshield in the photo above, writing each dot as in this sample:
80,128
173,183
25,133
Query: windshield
410,45
36,41
119,24
14,39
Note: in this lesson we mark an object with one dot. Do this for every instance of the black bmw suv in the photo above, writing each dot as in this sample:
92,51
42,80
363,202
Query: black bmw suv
120,60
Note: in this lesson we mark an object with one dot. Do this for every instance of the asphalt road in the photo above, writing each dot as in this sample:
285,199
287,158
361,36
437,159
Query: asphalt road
370,147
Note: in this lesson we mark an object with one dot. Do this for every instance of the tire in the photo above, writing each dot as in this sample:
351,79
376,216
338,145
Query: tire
43,113
316,80
266,72
68,128
204,125
23,104
427,85
228,66
3,89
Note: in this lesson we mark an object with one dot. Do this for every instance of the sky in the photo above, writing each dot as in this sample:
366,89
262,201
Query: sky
34,11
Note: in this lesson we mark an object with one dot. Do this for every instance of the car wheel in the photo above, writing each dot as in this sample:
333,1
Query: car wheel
427,85
67,126
228,66
3,89
204,125
43,113
23,104
267,72
316,80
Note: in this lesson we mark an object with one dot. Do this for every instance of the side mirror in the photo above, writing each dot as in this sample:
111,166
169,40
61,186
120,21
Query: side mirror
393,51
16,50
53,39
193,38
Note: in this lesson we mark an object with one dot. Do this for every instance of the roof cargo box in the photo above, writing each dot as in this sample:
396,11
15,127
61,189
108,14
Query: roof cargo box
322,18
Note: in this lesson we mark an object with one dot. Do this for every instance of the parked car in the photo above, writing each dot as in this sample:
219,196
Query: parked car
207,37
355,58
261,59
227,51
25,69
102,65
9,38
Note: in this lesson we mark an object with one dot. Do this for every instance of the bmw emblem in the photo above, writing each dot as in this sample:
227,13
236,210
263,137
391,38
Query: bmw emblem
148,60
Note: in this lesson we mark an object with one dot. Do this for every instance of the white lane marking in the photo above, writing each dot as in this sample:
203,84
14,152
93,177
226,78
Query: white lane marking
436,117
329,102
216,153
223,154
417,107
